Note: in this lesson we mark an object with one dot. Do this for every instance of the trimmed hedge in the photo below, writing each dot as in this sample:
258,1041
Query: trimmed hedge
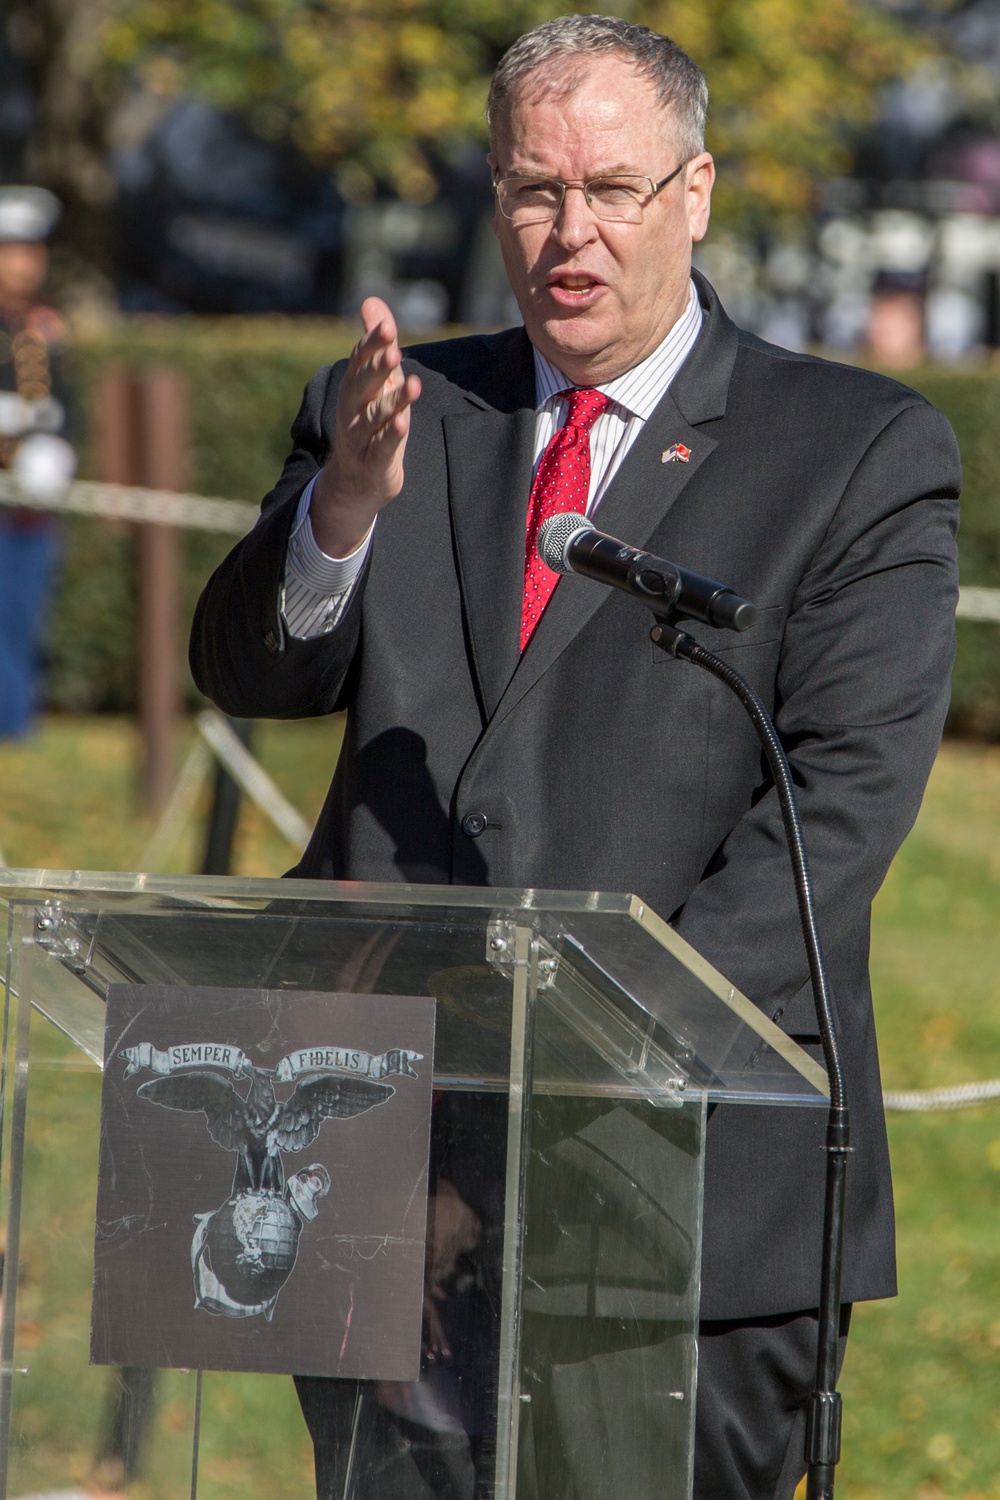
971,401
246,378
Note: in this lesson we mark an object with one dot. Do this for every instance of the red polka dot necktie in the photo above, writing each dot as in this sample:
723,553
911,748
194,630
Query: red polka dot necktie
562,482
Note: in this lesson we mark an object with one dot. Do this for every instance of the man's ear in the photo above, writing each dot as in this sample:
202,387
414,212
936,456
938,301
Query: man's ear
700,178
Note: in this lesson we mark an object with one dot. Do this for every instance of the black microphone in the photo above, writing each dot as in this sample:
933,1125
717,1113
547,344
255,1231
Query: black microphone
570,543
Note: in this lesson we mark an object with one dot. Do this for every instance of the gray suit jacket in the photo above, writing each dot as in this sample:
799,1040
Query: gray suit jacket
823,493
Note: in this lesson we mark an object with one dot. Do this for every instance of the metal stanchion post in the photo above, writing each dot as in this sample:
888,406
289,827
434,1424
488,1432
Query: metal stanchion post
114,428
143,438
164,448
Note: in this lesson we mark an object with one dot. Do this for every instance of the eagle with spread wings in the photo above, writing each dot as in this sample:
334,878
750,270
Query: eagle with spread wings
260,1127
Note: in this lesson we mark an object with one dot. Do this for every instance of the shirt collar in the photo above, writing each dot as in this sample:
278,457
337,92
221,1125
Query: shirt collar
640,389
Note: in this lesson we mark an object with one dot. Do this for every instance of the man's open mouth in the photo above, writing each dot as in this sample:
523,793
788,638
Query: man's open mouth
575,284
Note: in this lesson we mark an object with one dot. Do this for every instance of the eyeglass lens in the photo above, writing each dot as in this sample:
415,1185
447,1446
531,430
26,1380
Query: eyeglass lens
531,200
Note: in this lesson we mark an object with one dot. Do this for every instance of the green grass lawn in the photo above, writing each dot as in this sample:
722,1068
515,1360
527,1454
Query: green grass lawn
922,1380
69,800
253,1441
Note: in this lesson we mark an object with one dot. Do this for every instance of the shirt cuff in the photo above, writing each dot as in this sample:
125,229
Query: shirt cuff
316,588
310,564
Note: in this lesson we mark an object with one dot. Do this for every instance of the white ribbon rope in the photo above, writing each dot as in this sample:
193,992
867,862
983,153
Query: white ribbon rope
125,502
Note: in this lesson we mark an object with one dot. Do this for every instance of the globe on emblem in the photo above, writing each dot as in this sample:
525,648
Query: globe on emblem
243,1253
252,1242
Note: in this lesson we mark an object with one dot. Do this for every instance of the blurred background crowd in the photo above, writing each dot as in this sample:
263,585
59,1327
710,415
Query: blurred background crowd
249,156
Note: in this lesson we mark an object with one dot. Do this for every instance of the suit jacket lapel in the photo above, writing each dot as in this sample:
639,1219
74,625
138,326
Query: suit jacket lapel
645,487
490,453
635,503
489,447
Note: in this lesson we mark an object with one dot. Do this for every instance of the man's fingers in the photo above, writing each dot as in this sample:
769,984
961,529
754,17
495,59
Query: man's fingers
373,411
380,415
372,362
376,314
379,345
383,445
373,369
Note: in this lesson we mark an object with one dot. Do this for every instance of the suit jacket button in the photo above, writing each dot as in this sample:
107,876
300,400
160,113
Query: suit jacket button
271,641
474,824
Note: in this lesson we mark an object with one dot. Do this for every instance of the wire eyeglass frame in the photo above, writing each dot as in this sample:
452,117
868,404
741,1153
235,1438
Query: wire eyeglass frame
548,213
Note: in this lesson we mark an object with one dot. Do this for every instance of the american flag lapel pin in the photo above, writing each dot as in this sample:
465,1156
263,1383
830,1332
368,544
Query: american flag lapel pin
675,454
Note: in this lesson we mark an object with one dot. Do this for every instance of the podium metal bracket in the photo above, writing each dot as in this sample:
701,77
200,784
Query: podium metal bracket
57,933
501,945
61,936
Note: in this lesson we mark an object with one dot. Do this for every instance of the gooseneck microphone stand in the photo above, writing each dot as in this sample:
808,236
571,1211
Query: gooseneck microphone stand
823,1415
570,543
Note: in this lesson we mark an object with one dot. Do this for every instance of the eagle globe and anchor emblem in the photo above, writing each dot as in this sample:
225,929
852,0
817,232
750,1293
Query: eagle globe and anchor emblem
244,1251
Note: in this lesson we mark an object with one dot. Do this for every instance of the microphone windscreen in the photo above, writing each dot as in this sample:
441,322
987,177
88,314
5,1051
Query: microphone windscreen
555,535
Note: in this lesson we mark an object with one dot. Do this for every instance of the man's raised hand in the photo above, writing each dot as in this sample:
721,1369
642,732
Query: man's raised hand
365,467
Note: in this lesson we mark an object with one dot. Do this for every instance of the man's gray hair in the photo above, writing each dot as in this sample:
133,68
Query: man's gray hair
680,85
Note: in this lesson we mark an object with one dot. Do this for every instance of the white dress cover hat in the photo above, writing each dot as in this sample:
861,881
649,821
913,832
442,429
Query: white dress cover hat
27,213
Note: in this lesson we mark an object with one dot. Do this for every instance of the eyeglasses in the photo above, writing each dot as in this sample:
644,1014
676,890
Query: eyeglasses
619,198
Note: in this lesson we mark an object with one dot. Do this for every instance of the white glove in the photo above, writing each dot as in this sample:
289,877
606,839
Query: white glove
44,466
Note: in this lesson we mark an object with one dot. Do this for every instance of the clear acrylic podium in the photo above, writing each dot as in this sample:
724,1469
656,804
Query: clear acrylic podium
579,1042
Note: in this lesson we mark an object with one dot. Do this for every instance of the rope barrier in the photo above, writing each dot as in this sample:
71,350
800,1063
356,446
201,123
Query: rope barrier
216,737
128,502
122,502
962,1096
978,604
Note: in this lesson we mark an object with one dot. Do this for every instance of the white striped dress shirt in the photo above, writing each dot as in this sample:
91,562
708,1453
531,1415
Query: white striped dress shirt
317,587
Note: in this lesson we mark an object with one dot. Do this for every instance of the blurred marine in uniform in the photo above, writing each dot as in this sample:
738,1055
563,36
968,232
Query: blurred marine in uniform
33,447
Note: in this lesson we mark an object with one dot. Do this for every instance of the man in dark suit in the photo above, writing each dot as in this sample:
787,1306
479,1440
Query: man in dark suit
497,736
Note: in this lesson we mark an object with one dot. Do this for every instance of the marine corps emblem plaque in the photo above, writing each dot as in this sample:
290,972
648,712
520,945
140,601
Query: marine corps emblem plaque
262,1184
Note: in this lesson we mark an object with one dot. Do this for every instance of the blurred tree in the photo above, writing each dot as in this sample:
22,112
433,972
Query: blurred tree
792,82
377,86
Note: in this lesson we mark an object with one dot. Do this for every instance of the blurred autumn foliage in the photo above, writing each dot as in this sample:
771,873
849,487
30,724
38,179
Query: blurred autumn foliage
378,88
791,81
